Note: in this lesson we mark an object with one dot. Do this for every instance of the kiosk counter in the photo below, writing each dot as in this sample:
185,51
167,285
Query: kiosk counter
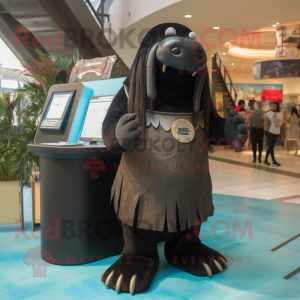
78,223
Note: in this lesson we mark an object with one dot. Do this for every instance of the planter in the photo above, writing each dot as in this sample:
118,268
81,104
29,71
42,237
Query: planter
11,203
36,203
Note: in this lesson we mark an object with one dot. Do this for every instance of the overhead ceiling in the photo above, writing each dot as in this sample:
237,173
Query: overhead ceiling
53,26
234,17
259,44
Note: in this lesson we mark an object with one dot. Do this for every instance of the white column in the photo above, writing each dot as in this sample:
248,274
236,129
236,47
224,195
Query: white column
291,86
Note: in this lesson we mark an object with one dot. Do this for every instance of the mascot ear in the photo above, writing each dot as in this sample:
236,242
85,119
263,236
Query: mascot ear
151,73
198,90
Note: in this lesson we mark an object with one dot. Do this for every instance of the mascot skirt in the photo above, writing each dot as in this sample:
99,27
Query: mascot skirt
166,180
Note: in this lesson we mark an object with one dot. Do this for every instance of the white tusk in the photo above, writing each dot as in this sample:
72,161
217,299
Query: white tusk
164,68
194,73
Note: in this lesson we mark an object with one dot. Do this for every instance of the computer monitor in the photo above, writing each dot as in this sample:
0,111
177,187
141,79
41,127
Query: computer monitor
56,113
96,112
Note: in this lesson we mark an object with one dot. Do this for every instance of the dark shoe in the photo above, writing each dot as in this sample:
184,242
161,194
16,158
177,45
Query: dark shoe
266,163
259,160
276,164
254,161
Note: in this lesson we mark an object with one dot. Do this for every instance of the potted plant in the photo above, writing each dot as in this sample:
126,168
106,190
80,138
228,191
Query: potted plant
41,73
11,185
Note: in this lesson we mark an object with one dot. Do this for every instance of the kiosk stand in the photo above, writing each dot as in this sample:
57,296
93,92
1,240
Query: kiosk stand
78,223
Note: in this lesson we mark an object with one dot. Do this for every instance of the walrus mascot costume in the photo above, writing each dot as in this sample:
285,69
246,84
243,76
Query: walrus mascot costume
163,120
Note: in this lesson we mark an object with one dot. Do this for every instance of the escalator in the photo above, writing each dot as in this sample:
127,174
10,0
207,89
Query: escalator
222,83
55,27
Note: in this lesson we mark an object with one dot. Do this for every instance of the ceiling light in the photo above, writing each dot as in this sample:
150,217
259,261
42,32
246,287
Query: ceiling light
188,16
274,25
216,27
232,64
224,53
251,53
212,55
277,23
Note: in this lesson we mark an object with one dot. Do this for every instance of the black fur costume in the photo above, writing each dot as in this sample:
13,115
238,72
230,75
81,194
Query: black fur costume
171,90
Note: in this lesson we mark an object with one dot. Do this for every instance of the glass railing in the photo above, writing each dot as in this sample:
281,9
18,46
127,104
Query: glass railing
99,9
94,13
221,68
103,9
96,4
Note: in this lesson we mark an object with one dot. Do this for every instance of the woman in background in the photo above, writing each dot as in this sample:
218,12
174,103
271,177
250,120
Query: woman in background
256,121
293,130
273,120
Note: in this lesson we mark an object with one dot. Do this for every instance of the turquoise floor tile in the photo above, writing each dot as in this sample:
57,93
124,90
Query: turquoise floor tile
270,223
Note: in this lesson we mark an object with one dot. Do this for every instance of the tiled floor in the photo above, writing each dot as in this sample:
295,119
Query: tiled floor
254,271
288,161
238,180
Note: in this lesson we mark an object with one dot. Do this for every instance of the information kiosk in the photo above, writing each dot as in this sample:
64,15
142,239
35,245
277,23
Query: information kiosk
92,126
78,224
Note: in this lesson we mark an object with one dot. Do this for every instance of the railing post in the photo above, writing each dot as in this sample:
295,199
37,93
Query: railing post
94,12
231,87
102,12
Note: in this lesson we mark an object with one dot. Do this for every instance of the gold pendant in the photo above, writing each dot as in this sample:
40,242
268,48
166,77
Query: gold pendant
183,131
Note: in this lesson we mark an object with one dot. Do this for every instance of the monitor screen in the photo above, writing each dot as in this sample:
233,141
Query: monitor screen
56,110
96,112
277,68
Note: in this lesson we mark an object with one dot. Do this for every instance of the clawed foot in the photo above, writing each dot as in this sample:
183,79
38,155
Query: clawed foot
131,273
198,260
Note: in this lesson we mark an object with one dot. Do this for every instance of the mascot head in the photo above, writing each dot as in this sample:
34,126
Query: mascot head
169,72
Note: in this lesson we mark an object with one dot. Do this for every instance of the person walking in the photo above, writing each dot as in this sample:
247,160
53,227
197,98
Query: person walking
273,122
240,108
256,122
293,128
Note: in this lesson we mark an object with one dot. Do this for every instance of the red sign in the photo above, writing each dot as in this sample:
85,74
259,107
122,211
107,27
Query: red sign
271,95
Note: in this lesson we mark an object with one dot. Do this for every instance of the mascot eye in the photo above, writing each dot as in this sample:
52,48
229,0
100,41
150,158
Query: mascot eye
193,35
200,55
170,31
176,51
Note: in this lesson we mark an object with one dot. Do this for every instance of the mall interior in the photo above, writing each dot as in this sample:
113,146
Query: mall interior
149,149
